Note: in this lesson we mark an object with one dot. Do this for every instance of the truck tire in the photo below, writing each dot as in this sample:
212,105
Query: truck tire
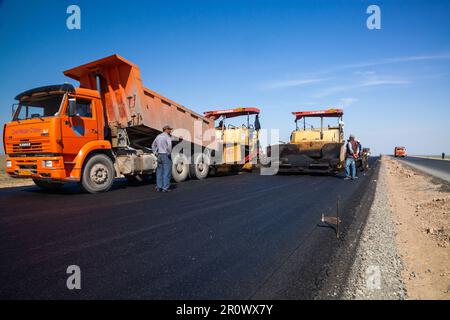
200,168
98,174
47,185
180,167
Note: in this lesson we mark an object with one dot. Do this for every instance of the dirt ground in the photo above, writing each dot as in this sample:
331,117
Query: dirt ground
421,213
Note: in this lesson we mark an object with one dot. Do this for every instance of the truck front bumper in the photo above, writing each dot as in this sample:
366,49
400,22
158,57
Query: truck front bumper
44,168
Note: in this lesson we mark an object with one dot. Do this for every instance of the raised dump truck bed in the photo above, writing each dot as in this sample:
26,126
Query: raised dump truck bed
128,104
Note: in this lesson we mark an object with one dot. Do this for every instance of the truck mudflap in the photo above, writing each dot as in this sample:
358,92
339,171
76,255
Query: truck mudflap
303,158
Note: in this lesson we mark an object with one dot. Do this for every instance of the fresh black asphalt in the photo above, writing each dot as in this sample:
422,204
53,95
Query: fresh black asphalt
243,236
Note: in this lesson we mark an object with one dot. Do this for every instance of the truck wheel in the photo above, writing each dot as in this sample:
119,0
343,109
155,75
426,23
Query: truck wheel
98,174
47,185
180,167
200,169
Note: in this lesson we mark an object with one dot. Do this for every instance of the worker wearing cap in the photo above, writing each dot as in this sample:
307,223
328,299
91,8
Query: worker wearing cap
162,146
360,148
352,153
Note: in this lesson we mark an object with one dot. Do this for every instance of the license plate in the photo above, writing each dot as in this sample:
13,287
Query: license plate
24,173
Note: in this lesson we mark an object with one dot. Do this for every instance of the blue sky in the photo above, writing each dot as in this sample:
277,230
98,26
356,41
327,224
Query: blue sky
282,56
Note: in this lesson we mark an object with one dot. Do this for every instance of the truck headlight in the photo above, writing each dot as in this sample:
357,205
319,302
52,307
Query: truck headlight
8,163
47,163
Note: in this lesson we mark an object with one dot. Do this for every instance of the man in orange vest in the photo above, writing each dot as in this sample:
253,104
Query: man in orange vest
352,153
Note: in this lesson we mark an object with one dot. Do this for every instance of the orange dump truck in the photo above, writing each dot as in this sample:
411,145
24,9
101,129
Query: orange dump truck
98,131
400,152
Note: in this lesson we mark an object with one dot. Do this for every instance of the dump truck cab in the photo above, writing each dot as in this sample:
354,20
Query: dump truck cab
237,146
50,126
314,149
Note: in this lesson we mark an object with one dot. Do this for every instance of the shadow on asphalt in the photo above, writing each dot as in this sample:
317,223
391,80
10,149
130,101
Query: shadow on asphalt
327,225
312,174
74,189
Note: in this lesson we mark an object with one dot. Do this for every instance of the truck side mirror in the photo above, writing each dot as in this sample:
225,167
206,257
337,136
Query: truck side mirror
72,107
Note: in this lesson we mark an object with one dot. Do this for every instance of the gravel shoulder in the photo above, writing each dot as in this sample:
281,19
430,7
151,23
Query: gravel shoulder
376,272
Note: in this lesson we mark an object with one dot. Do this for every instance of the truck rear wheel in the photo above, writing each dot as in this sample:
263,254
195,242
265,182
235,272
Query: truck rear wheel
200,169
98,174
47,185
180,167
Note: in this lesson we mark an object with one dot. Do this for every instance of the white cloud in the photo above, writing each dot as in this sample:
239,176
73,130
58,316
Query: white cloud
394,60
380,82
347,102
368,82
364,73
369,76
373,63
292,83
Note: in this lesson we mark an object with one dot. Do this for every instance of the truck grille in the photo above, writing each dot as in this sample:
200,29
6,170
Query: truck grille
27,165
27,147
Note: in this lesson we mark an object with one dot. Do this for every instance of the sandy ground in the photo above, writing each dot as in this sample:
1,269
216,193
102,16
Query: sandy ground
7,182
421,212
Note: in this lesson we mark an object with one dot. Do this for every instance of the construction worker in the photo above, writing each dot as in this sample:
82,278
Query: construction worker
359,160
365,157
351,154
359,147
162,146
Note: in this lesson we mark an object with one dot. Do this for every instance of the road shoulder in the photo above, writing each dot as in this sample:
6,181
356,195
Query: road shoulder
376,273
403,252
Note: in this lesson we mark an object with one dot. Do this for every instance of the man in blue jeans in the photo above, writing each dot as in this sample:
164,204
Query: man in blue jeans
162,146
352,151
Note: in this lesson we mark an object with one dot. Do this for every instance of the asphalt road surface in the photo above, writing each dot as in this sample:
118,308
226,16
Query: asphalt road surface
243,236
437,168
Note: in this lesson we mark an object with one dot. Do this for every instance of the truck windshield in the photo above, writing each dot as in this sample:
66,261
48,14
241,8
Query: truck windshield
39,107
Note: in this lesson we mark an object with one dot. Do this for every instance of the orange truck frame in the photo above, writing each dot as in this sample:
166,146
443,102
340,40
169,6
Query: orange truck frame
101,130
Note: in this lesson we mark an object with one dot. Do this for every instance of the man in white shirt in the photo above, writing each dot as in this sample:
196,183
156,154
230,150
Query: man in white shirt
162,146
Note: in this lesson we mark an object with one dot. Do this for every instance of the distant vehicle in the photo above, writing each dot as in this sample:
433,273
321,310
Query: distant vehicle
400,152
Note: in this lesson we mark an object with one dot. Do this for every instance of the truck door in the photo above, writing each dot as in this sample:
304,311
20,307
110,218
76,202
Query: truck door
81,128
